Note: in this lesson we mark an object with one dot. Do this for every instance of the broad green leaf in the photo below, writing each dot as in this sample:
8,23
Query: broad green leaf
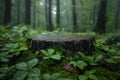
46,57
109,60
55,76
32,63
116,57
20,75
34,75
83,77
81,64
23,48
45,52
46,77
57,57
87,73
21,66
93,77
51,51
4,69
98,58
4,60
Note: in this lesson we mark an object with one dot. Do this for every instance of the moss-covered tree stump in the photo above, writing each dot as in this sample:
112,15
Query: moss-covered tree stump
71,42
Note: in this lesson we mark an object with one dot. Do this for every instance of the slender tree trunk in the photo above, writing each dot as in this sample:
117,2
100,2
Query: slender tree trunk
75,24
94,13
7,17
117,15
18,12
27,12
101,17
50,26
46,13
58,13
34,15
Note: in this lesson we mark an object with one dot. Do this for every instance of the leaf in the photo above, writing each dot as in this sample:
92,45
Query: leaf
83,77
4,60
51,51
21,66
32,63
93,77
34,75
20,75
109,60
23,48
87,73
57,57
46,76
81,64
116,57
98,58
55,76
44,52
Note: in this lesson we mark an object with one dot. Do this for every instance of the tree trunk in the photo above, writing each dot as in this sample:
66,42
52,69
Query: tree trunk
27,12
101,18
75,24
72,43
94,13
58,13
34,14
7,17
46,13
50,24
117,15
18,12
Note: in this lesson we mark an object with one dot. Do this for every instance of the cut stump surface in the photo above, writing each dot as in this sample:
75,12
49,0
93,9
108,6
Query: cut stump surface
72,42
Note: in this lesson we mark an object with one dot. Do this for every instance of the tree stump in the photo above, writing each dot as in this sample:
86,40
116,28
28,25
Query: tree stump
71,42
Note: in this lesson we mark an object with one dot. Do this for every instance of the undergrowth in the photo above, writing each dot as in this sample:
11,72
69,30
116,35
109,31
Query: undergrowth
18,62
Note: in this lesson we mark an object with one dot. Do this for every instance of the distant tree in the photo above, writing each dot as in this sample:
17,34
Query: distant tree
74,14
18,12
58,13
101,17
50,24
27,12
94,12
117,17
34,14
7,16
46,13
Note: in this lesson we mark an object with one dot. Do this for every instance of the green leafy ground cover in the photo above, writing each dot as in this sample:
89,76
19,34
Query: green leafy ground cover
17,62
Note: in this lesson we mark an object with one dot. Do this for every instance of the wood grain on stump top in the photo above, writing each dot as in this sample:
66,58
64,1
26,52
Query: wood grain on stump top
72,42
61,38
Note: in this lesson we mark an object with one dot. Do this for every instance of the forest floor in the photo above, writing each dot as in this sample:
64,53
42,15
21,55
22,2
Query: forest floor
19,62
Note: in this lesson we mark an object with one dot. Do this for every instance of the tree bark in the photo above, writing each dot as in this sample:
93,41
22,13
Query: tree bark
46,13
75,24
58,13
72,43
117,15
50,24
18,12
27,12
101,18
7,17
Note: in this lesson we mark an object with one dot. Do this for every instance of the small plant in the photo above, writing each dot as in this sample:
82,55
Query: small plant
51,54
26,71
80,64
5,57
88,75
